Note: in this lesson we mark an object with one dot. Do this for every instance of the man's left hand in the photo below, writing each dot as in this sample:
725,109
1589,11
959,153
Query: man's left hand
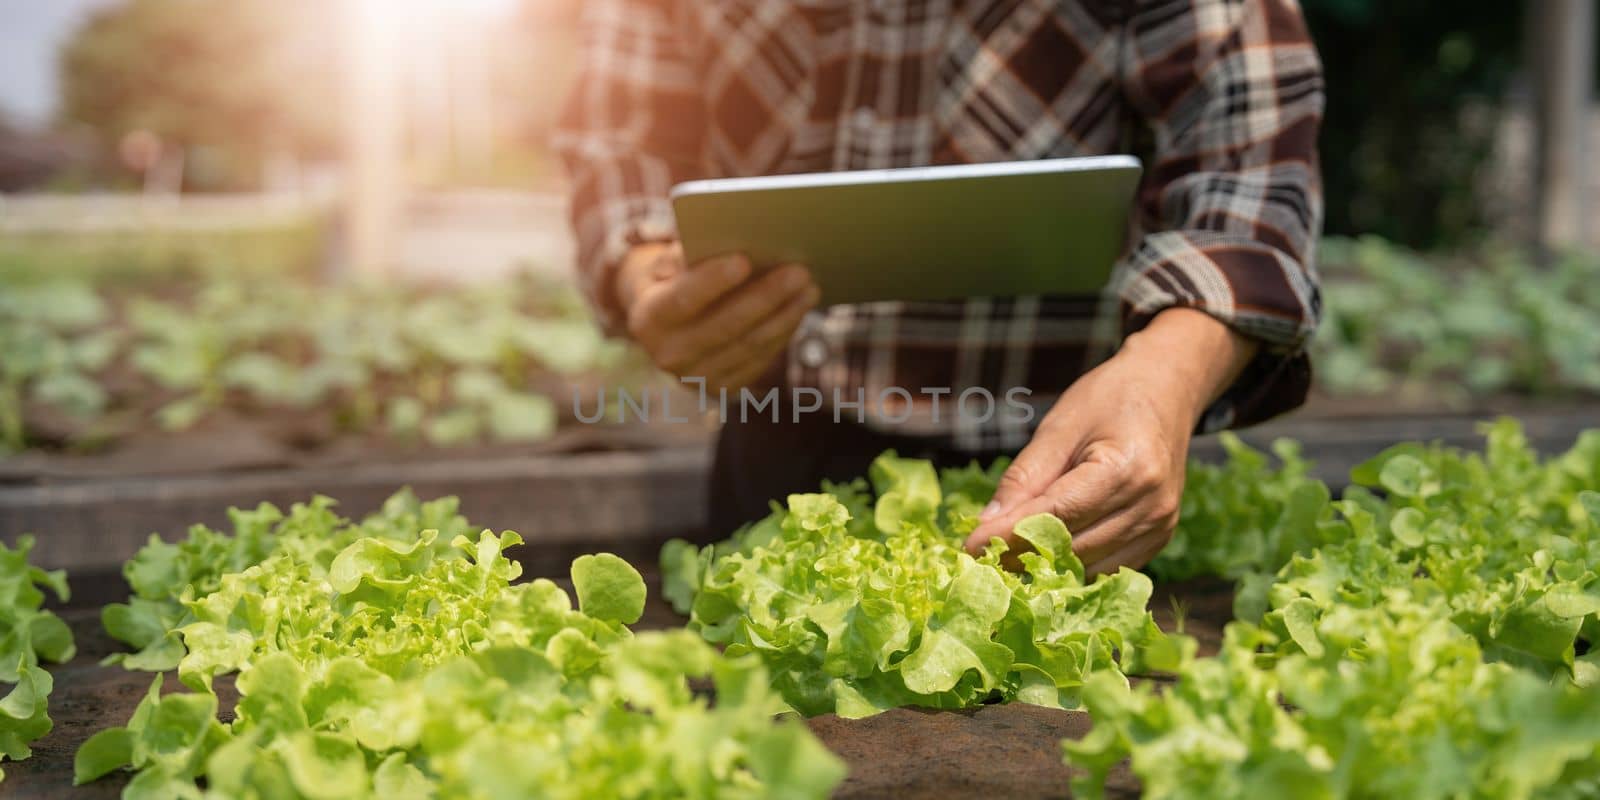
1109,457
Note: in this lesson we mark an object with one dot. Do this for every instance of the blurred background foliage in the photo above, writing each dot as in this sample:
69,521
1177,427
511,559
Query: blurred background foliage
1445,329
293,248
1415,92
1429,294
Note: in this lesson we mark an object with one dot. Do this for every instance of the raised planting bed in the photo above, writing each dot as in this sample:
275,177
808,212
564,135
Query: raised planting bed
102,378
1010,751
1340,435
638,490
622,502
148,406
1441,613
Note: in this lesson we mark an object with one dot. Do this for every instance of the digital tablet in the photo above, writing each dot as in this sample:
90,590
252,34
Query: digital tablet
1055,226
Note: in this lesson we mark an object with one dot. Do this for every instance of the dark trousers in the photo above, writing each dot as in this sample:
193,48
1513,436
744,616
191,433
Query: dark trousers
759,461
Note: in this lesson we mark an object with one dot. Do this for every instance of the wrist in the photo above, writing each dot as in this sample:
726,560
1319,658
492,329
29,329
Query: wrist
1197,354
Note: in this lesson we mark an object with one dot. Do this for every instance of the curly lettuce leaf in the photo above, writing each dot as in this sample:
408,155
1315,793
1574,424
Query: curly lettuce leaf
858,607
1246,518
163,575
1506,542
398,669
1393,701
29,636
1431,649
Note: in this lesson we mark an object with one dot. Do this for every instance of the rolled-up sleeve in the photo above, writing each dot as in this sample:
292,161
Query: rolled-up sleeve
631,128
1232,203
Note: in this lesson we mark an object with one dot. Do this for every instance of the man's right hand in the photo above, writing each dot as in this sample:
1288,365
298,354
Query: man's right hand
713,321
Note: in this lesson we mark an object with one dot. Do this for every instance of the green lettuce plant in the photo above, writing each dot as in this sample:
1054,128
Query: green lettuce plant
53,339
1431,327
448,365
858,603
1390,701
1507,543
399,670
29,635
164,575
1438,643
1245,518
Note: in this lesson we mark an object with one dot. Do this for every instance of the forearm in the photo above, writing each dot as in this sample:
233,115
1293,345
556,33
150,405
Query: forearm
1196,355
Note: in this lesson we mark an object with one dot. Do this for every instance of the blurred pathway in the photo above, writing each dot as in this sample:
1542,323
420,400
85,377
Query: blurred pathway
477,235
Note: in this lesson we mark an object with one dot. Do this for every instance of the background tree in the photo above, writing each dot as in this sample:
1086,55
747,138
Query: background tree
1416,90
232,82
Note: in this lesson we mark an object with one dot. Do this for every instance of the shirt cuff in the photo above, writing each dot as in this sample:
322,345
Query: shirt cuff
605,236
1251,287
1270,385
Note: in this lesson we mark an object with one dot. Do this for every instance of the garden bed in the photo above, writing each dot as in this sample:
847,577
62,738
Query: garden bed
267,372
1010,751
626,502
1331,670
1340,434
621,491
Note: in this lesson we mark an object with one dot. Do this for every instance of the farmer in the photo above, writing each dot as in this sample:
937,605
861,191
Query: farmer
1215,298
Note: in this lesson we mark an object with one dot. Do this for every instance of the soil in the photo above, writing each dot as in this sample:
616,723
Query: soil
1010,751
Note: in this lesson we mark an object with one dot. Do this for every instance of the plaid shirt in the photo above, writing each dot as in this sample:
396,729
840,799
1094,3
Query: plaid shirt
1223,97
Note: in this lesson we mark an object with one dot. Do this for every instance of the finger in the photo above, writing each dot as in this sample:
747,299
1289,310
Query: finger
734,317
742,311
755,350
749,373
669,264
647,266
759,376
687,296
763,341
1107,535
756,366
1146,511
764,369
1134,554
1080,498
1038,465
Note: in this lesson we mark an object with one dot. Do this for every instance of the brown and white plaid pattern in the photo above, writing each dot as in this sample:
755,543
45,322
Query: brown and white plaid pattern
1223,97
